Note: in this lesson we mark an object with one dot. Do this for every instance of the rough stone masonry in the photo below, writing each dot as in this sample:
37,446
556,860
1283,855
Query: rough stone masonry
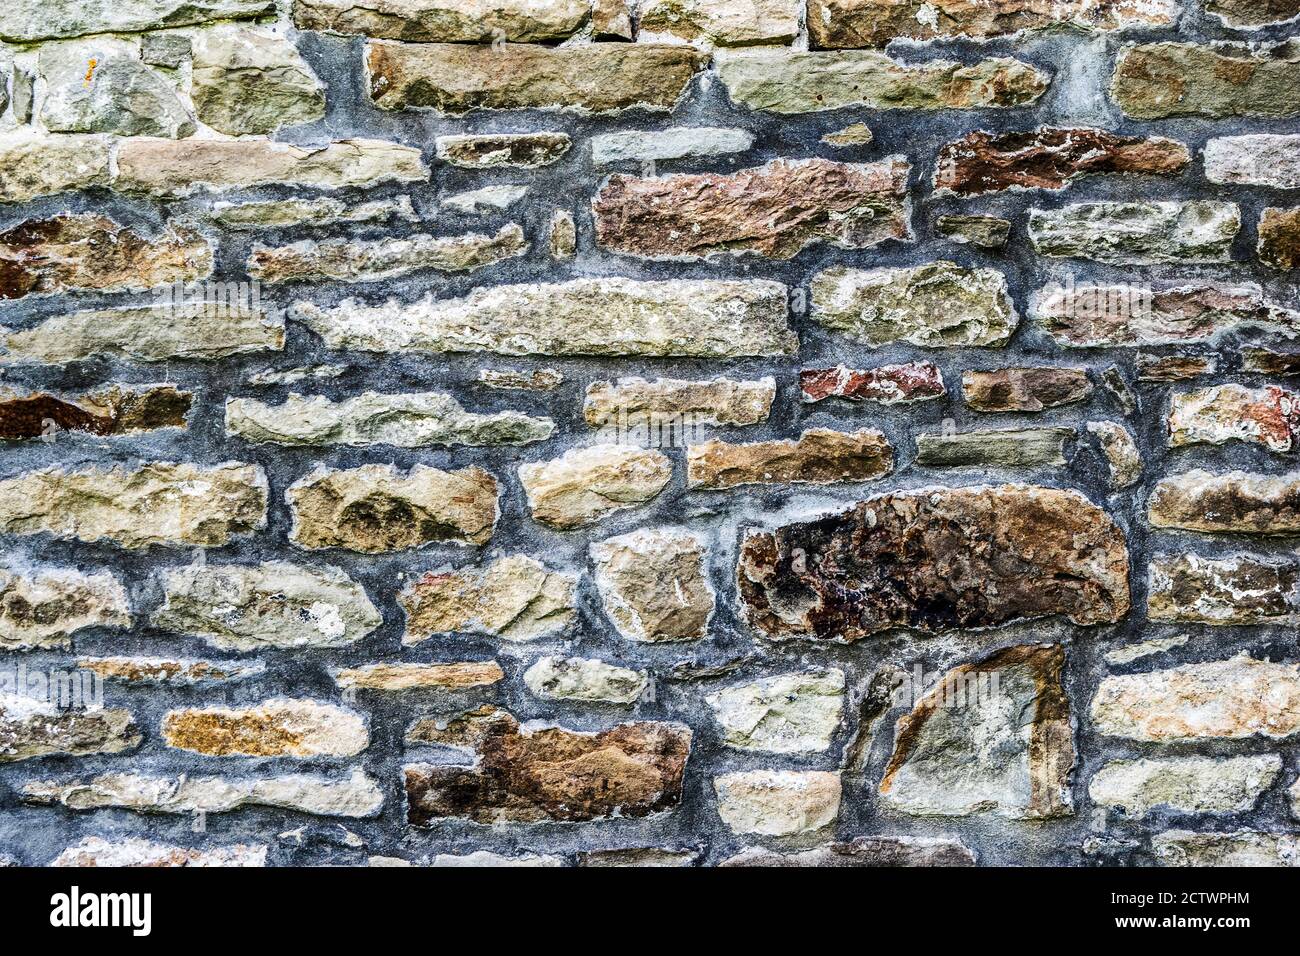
667,433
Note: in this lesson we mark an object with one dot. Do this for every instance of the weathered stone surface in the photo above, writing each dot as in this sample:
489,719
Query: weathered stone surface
490,150
171,50
638,857
515,598
155,503
1024,389
277,604
1253,13
984,232
450,21
1241,848
935,305
34,164
1232,502
887,385
274,728
1216,700
404,677
116,410
778,802
375,508
581,678
321,211
74,252
862,852
874,23
1267,416
677,142
1269,362
1009,751
44,608
719,22
100,86
1005,447
246,81
405,420
1185,784
1257,159
599,78
164,167
535,380
785,714
482,858
975,557
1138,233
1279,238
653,585
32,728
353,796
174,671
855,134
1235,590
562,242
587,484
1163,80
1172,368
1123,458
773,210
798,82
1050,158
530,775
1135,652
25,20
611,20
96,851
631,402
819,456
489,199
689,318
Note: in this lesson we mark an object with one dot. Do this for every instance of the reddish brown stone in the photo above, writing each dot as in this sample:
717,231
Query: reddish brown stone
1172,368
1279,238
934,560
1050,159
888,384
1024,389
774,210
114,411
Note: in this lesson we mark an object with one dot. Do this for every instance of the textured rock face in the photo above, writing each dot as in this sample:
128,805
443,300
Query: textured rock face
158,671
1242,848
778,802
653,585
725,23
1226,503
375,508
786,714
774,210
45,608
412,677
819,456
863,852
250,82
720,401
1253,13
1175,368
528,776
985,232
27,20
113,411
520,150
1265,416
1270,362
1185,784
588,484
33,165
100,86
276,728
1279,238
887,385
1007,447
95,851
30,728
1024,389
976,557
1123,457
676,142
452,21
1162,80
322,211
1008,752
579,678
1257,159
855,134
1138,233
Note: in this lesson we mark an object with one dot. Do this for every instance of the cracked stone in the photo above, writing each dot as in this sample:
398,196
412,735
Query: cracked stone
585,485
784,714
516,598
653,584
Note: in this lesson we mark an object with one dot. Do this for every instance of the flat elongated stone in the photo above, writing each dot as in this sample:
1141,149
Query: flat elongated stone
490,150
100,86
404,677
489,199
935,305
515,598
690,318
1185,784
536,380
1138,233
1024,389
887,385
537,774
778,802
719,22
1279,238
721,401
375,508
580,678
855,134
1006,447
984,232
321,211
34,164
653,585
1163,80
452,21
863,852
1240,848
1232,502
155,503
598,78
277,604
246,81
588,484
116,410
678,142
173,671
1234,590
482,858
785,714
819,456
1270,362
1173,368
32,728
1267,416
407,420
274,728
975,557
1253,13
353,796
773,210
638,857
1129,653
798,82
25,20
1256,159
1009,751
1123,458
131,852
46,607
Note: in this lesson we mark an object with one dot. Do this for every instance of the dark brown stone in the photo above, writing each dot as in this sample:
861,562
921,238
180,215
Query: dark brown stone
774,210
114,411
1024,389
936,560
1187,588
888,384
1269,362
631,770
1279,238
1233,503
1172,368
1253,13
1050,159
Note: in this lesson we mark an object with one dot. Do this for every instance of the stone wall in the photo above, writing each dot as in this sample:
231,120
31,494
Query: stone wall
840,432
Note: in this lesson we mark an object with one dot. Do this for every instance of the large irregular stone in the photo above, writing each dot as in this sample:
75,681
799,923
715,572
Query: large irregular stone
1009,751
632,402
43,164
1232,502
25,20
375,508
588,484
778,802
819,456
935,305
274,728
515,598
529,775
353,796
863,852
1138,233
154,503
934,560
116,410
677,142
491,150
581,678
240,607
886,385
719,22
1257,159
1234,590
781,81
405,677
1024,389
1049,158
320,211
32,728
446,21
1185,784
245,81
172,671
44,608
688,318
1267,416
412,420
785,714
1240,848
1279,238
1120,449
1216,700
1163,80
100,86
133,852
1003,447
653,585
773,210
598,78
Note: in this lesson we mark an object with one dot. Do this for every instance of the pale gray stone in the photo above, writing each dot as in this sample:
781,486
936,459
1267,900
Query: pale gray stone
580,678
677,142
248,81
322,211
23,21
586,485
1185,784
101,86
486,200
133,851
1240,848
785,714
653,586
1138,233
1257,159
